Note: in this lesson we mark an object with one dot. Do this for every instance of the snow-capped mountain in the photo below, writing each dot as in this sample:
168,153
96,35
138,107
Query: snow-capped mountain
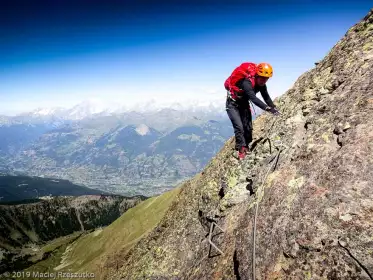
86,108
80,111
97,107
41,112
142,129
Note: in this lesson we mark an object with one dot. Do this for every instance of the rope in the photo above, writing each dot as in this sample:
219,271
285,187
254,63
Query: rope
256,211
257,203
262,189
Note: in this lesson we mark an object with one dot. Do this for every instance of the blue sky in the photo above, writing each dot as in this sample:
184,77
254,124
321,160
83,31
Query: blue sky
59,53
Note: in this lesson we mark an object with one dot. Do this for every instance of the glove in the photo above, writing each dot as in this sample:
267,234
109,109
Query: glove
273,110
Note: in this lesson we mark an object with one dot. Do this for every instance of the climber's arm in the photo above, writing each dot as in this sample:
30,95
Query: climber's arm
266,97
250,93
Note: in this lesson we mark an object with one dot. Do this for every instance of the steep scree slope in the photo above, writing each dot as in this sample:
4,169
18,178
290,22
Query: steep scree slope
315,220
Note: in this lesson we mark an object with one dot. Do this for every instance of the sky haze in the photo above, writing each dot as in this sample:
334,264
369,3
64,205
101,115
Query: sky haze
59,53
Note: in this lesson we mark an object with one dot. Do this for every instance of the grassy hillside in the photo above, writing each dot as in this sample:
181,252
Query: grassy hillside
25,228
101,251
50,255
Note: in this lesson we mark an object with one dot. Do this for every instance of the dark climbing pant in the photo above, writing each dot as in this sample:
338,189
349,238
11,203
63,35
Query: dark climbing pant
240,116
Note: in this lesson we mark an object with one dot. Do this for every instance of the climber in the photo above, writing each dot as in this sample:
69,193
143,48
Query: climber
242,85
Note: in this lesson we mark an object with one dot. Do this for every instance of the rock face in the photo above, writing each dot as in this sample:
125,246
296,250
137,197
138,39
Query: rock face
312,170
37,223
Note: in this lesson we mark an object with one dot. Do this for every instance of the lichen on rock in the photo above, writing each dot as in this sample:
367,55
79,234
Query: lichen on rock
315,212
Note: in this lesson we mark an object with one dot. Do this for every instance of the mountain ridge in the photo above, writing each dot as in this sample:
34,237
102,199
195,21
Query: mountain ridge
314,219
20,187
98,107
26,227
302,198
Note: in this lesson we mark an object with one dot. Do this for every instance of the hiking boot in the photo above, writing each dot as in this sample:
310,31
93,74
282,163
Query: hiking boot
242,153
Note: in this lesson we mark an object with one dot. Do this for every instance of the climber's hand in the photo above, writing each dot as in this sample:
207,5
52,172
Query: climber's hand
273,110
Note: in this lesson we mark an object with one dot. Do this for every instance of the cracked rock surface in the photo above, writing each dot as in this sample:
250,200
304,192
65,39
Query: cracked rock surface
315,218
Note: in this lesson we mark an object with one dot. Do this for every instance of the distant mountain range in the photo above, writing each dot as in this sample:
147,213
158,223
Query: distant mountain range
98,108
130,159
129,153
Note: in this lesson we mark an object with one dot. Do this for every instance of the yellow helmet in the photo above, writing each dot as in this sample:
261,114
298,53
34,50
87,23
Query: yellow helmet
264,70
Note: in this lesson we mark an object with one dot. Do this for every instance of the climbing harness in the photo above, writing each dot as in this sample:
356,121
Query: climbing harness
252,107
